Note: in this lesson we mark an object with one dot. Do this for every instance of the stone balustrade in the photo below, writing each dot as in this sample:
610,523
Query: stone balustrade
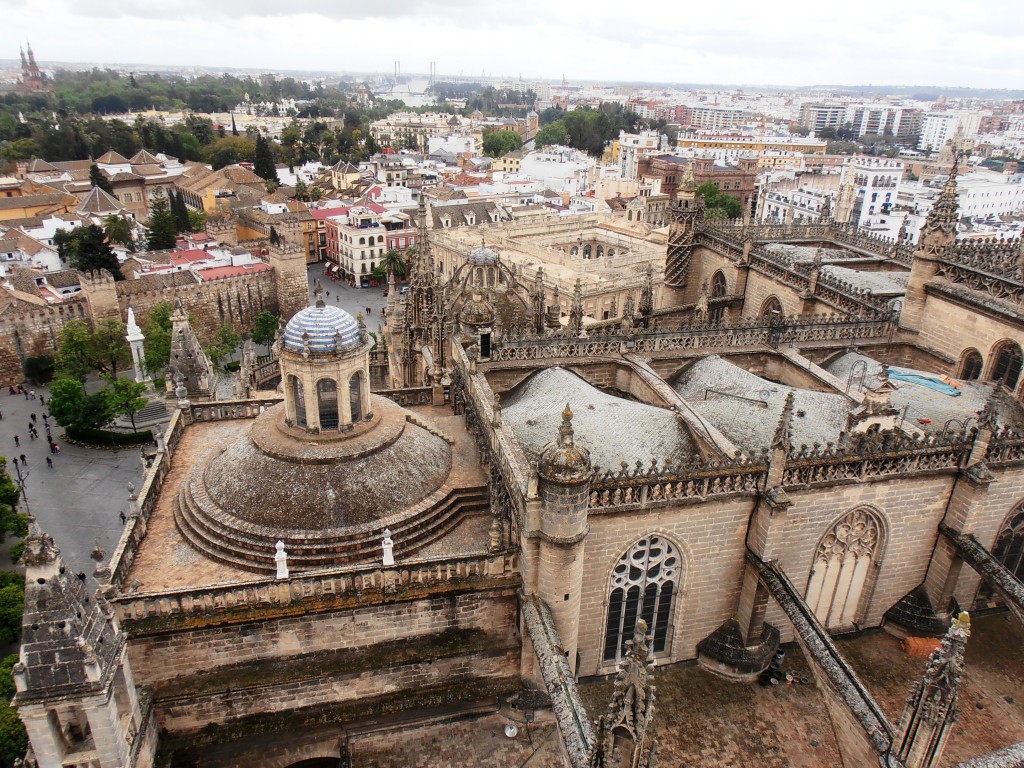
323,587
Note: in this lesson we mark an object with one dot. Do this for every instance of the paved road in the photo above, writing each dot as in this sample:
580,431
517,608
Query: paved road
78,501
352,300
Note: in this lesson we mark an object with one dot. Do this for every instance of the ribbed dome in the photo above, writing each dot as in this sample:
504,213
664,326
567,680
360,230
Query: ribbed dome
483,255
330,330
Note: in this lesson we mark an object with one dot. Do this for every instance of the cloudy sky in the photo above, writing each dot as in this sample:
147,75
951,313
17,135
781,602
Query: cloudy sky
794,42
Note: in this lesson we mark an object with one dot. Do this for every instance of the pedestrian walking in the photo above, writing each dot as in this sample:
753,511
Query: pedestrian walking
53,447
123,516
42,400
33,418
56,448
49,463
17,442
24,392
33,393
49,435
46,418
24,461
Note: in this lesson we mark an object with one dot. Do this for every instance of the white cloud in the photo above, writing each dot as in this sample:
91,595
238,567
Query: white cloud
801,42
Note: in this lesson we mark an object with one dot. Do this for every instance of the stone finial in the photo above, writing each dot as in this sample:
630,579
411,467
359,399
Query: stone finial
987,415
318,292
783,438
281,560
132,327
563,460
565,431
387,547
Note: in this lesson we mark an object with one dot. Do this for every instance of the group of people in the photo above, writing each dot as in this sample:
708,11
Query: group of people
33,429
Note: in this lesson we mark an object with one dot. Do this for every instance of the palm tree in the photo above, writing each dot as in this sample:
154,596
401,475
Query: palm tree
393,262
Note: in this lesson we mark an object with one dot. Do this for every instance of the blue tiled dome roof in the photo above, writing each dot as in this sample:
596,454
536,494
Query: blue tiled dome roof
323,324
483,255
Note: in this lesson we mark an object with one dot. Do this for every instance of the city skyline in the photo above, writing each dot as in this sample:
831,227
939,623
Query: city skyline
809,44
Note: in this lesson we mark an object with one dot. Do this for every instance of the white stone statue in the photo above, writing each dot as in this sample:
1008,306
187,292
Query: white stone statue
388,546
281,559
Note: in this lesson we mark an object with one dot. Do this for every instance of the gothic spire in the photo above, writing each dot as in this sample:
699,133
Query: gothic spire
576,309
646,306
783,439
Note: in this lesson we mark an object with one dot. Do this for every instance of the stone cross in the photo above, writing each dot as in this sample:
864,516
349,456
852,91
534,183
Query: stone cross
281,559
388,546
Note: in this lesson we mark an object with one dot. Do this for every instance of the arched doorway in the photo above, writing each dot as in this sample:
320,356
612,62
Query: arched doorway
1008,359
838,588
299,399
327,403
643,586
971,364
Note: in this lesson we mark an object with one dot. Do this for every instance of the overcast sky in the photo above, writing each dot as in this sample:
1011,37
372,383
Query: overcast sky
787,42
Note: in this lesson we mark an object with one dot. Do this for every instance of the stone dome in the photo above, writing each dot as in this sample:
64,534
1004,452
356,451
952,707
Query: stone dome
483,255
563,461
477,311
327,496
329,330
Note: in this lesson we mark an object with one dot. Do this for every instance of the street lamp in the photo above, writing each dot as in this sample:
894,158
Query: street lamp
22,473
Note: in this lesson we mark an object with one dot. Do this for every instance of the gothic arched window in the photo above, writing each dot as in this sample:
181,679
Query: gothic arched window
719,287
1009,548
842,567
586,251
971,365
643,585
1008,364
771,306
600,251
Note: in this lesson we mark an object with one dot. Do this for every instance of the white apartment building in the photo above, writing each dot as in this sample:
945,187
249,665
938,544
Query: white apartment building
361,240
714,118
818,117
560,169
939,127
876,183
633,146
873,118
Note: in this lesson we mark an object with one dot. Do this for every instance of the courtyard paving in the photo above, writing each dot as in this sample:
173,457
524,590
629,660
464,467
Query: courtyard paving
78,501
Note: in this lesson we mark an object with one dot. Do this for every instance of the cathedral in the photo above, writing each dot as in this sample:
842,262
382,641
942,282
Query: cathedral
788,433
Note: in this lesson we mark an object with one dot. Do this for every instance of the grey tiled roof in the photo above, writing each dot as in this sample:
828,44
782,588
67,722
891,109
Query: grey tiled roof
731,399
612,428
879,283
922,402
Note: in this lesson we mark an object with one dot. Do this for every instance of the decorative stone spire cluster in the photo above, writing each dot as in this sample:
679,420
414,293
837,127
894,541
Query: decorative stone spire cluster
576,310
940,225
932,706
630,712
563,461
783,438
646,306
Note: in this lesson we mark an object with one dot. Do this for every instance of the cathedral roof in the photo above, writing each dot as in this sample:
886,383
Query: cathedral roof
329,330
611,428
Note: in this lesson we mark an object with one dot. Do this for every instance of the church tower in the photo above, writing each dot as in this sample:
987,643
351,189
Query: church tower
686,214
75,690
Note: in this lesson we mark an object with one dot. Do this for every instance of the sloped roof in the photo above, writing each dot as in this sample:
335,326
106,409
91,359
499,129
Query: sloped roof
747,408
612,428
41,166
99,202
142,157
111,157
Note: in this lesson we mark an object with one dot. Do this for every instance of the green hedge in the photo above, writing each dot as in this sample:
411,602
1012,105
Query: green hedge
102,438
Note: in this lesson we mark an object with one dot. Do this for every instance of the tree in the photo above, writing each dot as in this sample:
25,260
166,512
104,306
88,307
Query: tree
70,406
234,128
99,179
163,227
157,330
275,239
392,262
13,739
196,221
265,329
263,164
124,398
180,211
88,248
227,342
718,204
498,143
81,349
12,605
552,133
301,190
119,230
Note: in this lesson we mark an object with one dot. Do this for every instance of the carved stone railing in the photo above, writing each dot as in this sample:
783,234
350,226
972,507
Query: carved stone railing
316,588
886,456
1001,257
267,368
846,296
1008,286
673,484
611,341
1005,448
226,410
408,396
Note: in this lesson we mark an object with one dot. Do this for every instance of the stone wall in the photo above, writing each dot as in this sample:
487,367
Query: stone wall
34,331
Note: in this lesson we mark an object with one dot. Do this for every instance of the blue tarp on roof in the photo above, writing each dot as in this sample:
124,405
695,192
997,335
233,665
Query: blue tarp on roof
924,381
